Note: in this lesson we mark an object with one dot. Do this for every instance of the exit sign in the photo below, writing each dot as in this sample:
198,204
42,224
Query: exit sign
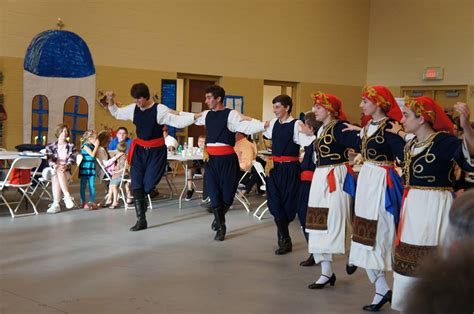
433,74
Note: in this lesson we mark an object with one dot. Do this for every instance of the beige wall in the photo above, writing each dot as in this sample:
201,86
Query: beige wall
13,93
261,39
349,95
405,36
251,89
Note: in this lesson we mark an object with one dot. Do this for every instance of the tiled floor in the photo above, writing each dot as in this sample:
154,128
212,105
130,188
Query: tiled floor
88,262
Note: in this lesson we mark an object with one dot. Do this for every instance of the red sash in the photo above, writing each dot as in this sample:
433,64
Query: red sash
157,142
402,217
220,150
389,178
306,175
332,179
284,158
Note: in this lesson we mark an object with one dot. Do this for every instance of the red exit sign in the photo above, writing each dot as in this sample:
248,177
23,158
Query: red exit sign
433,73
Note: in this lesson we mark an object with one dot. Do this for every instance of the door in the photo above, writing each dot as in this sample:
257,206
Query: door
197,92
446,96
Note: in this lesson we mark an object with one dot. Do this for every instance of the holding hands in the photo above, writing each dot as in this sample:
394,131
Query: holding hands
350,127
464,113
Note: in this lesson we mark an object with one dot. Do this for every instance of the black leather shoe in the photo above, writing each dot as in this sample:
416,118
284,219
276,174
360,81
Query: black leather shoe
331,281
140,225
350,269
308,262
376,307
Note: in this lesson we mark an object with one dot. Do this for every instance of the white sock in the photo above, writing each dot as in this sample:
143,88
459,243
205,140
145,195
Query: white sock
381,288
326,272
67,195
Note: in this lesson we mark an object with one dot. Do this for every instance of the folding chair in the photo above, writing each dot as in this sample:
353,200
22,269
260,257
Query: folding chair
124,181
21,163
108,178
41,185
241,197
261,173
169,176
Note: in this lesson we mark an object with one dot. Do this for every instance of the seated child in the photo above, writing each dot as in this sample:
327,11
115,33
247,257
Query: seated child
116,176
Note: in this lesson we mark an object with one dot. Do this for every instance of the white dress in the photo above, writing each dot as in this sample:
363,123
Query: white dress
374,226
329,210
425,212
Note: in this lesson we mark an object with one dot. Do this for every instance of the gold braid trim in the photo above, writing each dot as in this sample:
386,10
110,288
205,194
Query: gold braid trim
322,100
379,99
418,109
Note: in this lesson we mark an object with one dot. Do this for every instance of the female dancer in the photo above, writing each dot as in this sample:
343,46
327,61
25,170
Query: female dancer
430,157
379,192
332,187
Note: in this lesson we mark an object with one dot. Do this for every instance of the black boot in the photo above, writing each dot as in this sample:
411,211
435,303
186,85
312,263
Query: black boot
219,215
140,208
310,260
284,240
214,222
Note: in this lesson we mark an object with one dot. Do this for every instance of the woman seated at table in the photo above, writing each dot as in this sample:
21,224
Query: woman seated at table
61,156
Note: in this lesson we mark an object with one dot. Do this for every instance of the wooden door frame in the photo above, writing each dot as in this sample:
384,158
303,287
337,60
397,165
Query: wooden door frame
284,85
187,77
434,88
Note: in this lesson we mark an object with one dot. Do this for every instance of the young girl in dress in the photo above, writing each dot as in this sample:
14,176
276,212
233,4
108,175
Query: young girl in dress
87,168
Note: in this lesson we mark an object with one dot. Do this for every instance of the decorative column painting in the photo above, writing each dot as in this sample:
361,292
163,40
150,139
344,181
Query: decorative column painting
58,86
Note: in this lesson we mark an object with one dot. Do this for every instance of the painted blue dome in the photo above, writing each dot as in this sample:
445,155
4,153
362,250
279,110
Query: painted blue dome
58,53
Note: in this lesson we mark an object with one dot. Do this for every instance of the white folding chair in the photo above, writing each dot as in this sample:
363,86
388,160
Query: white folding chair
107,178
124,180
40,185
241,197
21,163
261,173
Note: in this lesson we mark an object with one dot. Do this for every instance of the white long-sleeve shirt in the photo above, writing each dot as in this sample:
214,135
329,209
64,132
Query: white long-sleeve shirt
299,137
163,115
235,124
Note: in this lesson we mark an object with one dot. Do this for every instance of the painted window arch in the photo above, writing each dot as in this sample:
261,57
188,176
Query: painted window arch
76,113
39,119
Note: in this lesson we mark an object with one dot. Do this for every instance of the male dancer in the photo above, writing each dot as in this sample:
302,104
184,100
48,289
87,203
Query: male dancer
147,154
287,135
222,169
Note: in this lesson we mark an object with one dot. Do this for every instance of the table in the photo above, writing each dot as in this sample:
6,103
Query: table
9,155
184,161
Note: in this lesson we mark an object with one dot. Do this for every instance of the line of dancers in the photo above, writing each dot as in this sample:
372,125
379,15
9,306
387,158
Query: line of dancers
396,220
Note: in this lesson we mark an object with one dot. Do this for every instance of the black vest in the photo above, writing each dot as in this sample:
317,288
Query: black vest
145,123
282,139
216,127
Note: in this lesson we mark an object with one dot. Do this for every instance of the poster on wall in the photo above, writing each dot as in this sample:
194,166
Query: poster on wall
234,102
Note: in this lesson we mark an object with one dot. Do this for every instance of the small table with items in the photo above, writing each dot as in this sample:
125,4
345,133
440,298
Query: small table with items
184,161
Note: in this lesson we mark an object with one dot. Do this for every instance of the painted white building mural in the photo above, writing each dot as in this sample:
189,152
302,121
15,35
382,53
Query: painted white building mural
58,86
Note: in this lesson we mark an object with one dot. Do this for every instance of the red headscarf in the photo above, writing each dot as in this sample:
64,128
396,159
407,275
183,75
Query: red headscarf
383,98
331,103
432,112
